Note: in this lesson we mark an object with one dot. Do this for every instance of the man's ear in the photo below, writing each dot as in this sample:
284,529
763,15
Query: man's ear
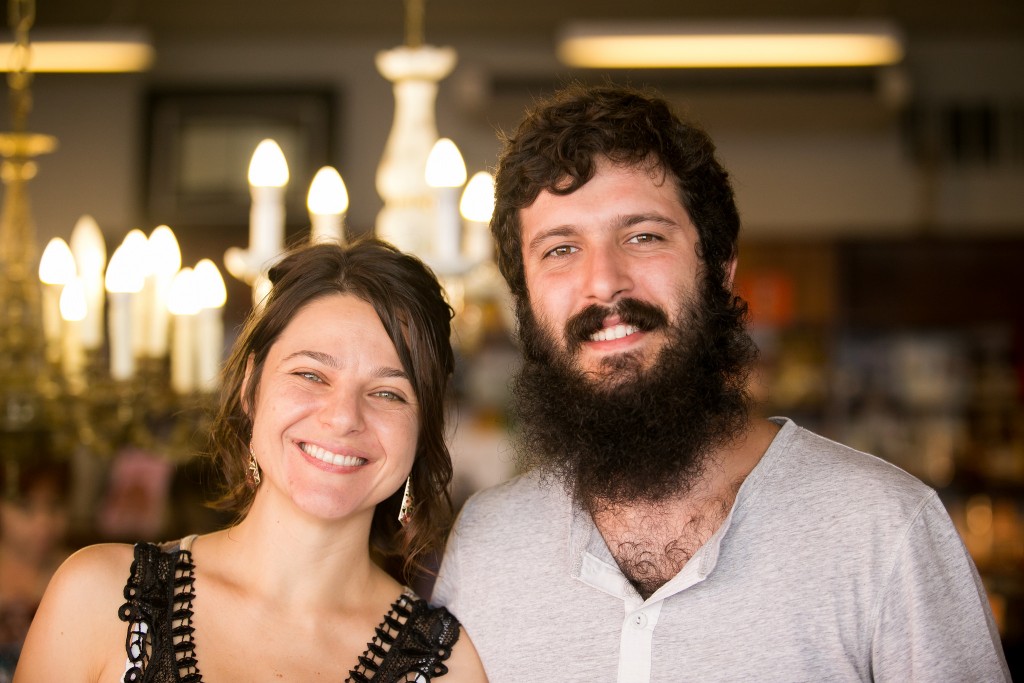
730,275
249,364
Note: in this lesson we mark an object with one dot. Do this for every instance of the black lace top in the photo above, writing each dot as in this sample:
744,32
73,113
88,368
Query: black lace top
411,643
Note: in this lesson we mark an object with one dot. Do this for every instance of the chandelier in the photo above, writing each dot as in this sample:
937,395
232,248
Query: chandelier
97,354
429,208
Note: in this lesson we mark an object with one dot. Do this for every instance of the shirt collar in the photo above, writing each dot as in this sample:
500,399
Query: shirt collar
591,562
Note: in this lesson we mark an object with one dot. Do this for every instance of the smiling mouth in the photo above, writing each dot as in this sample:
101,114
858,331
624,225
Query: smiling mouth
614,332
324,455
597,323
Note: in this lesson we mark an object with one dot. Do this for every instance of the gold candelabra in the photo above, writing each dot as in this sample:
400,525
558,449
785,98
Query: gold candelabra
45,412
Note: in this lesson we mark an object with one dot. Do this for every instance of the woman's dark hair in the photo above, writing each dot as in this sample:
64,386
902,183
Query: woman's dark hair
558,142
411,306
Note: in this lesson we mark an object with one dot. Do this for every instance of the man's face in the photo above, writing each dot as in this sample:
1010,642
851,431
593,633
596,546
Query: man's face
636,359
622,237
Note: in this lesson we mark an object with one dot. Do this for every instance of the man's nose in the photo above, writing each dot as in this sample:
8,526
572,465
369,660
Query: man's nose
609,275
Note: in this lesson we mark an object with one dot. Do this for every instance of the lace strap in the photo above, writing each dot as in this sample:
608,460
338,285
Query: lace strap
411,644
158,609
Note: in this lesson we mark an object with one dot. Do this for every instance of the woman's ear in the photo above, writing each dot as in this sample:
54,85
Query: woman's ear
244,398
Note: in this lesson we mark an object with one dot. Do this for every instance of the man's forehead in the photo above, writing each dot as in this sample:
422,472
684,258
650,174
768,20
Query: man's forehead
652,165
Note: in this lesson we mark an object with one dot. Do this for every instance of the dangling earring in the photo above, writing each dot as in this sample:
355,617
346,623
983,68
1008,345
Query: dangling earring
252,477
405,512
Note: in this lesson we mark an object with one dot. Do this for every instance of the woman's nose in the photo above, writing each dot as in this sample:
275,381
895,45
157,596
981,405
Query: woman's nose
342,410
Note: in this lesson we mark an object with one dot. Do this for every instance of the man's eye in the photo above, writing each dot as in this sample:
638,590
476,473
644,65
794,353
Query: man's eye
563,250
644,238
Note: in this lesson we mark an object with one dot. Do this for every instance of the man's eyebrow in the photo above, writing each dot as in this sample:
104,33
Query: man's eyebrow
384,371
544,235
638,218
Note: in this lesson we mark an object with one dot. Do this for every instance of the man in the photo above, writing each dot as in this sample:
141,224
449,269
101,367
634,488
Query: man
663,533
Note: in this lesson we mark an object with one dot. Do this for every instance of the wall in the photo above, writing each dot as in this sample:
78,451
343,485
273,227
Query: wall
807,162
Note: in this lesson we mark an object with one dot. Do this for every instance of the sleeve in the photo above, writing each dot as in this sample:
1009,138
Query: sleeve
934,621
446,589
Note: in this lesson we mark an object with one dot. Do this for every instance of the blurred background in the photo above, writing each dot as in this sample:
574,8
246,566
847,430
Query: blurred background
881,253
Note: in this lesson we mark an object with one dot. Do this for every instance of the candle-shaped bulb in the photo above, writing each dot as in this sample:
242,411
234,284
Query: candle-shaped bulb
72,301
88,246
163,252
135,241
327,193
445,167
56,268
57,265
209,284
209,330
163,260
125,273
184,303
125,278
183,298
446,173
268,175
73,308
90,253
477,202
268,167
327,202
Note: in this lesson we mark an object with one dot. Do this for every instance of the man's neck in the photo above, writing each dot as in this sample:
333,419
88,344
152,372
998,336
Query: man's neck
653,541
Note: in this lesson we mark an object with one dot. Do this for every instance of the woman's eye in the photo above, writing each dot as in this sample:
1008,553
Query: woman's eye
311,376
389,396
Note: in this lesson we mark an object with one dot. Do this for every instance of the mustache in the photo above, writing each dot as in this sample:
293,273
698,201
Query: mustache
639,314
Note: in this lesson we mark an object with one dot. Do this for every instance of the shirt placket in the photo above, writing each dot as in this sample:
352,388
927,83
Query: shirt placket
596,567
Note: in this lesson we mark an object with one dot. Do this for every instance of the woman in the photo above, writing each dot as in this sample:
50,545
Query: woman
332,414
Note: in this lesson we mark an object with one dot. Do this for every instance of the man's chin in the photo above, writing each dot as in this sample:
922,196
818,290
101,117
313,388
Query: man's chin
616,369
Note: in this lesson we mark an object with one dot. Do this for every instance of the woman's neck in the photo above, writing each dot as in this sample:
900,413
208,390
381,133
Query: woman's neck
275,545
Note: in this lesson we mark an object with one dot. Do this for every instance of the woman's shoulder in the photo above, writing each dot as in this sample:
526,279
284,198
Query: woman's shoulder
93,567
76,630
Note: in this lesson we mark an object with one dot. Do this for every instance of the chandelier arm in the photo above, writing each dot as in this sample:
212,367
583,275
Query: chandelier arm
21,16
415,34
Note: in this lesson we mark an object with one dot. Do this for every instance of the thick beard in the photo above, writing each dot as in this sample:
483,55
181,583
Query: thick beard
627,433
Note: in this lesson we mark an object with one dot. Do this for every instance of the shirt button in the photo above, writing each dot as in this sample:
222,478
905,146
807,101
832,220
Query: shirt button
639,620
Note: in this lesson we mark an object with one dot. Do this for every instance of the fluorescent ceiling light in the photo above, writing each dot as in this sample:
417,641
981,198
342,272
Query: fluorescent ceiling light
729,45
79,52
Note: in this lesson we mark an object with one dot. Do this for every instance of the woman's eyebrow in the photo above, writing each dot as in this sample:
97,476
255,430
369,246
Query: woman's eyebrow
319,356
384,371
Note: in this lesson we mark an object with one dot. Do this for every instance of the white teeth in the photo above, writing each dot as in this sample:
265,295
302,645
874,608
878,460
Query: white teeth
331,458
610,333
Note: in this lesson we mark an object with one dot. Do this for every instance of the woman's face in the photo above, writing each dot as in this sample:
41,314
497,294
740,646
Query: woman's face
335,421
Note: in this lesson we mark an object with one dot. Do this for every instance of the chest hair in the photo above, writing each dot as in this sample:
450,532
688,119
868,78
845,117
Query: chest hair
653,542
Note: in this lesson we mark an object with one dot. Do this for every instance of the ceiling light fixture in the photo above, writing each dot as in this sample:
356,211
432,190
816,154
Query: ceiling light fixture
696,45
109,51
